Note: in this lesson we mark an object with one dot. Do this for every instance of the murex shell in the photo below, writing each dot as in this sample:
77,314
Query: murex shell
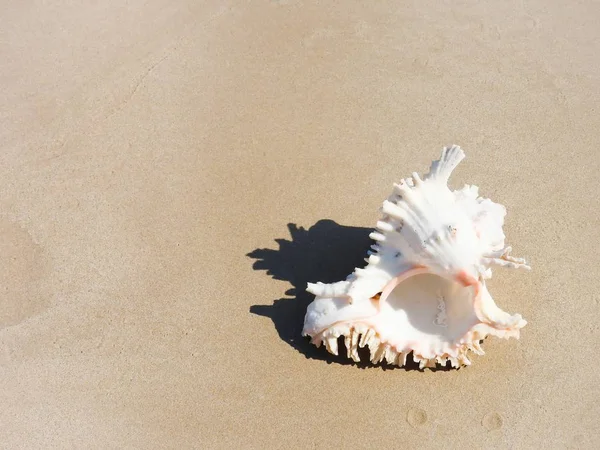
423,289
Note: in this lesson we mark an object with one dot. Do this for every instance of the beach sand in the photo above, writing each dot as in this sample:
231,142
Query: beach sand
172,174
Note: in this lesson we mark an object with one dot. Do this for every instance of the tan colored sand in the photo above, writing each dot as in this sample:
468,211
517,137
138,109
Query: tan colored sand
152,153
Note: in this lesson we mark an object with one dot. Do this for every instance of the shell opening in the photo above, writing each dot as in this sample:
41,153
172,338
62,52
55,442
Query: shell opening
429,308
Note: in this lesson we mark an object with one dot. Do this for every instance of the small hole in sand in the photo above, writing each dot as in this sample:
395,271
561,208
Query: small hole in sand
492,421
416,417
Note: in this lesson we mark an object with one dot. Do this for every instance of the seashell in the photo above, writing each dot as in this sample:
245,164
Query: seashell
423,289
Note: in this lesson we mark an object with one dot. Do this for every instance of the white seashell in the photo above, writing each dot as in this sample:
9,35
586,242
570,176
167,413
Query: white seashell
423,289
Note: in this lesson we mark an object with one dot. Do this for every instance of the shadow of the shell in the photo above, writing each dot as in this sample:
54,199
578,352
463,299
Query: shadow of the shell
325,252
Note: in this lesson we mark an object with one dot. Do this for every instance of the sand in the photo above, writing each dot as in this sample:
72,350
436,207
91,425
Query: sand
172,174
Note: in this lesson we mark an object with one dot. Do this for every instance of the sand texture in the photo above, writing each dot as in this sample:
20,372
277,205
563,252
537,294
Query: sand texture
173,173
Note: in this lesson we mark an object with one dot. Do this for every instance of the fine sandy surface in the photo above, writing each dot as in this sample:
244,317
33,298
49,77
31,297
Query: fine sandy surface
172,174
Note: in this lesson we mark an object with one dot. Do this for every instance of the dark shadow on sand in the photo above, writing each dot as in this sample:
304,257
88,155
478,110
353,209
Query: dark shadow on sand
325,252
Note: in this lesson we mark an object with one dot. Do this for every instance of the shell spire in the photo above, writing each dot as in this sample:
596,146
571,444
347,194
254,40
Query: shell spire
449,160
423,288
